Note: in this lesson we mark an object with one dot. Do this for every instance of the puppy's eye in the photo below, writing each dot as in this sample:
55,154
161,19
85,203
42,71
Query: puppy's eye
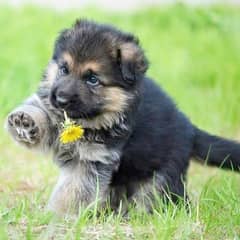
92,80
63,70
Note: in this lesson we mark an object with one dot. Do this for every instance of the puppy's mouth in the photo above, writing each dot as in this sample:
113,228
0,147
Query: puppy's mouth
75,109
82,114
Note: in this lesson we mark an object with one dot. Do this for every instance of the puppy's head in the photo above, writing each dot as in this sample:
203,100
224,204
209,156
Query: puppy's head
95,71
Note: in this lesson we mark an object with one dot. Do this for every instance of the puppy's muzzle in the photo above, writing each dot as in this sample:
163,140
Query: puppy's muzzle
61,99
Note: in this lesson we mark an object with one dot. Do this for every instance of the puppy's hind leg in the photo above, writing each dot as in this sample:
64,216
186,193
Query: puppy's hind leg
148,194
143,194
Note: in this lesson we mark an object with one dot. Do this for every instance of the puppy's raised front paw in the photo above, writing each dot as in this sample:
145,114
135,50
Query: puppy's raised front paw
23,128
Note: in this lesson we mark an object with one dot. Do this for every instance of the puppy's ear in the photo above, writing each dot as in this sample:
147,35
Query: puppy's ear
131,60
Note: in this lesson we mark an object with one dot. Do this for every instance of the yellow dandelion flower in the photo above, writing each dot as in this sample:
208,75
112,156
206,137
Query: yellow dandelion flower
71,132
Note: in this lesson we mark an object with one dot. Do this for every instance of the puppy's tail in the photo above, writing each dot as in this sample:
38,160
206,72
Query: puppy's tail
216,151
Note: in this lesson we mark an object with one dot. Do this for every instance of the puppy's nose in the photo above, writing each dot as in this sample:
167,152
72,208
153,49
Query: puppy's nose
62,99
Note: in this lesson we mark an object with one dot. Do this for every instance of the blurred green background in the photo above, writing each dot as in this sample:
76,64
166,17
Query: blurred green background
194,55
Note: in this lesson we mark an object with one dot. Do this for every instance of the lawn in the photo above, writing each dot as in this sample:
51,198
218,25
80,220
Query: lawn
194,55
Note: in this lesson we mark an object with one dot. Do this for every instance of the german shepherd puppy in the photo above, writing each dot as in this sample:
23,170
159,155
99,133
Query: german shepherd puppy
136,142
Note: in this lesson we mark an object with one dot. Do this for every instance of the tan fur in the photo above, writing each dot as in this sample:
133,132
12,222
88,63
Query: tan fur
115,99
81,67
68,59
105,121
129,51
91,65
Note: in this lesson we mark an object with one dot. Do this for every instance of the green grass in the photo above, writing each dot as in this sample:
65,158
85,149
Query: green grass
194,54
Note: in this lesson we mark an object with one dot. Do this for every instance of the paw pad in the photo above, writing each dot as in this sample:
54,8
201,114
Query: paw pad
23,127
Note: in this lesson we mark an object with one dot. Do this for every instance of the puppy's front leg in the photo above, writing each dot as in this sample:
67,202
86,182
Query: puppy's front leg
79,186
30,125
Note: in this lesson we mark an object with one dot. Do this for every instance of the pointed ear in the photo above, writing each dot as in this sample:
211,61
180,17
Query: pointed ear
132,61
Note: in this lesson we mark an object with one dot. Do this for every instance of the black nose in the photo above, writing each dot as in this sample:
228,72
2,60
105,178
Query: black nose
61,99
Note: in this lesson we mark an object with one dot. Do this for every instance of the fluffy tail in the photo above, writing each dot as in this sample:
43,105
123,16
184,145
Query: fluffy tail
216,151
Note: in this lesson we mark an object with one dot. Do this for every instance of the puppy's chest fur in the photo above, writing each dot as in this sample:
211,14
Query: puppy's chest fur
96,152
91,148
